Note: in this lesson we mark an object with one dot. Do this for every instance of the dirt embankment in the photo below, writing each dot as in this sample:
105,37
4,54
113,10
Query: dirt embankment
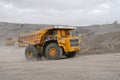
101,43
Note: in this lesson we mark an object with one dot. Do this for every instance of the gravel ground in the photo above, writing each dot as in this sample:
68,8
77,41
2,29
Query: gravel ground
13,66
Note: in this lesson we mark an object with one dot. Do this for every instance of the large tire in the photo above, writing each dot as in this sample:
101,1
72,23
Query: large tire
53,51
31,53
70,55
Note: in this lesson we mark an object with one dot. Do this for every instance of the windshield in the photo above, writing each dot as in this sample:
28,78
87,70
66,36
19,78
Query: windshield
68,33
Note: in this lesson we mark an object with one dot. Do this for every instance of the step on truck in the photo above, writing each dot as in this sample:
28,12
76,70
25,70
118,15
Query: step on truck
51,43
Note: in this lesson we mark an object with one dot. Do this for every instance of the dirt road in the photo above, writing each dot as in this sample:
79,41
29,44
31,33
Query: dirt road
13,66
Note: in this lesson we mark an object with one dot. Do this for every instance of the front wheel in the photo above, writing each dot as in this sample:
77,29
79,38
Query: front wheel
53,51
70,55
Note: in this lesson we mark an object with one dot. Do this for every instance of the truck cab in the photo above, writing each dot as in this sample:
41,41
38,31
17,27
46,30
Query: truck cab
64,39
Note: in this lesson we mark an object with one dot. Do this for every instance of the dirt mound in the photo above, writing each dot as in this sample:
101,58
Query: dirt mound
101,43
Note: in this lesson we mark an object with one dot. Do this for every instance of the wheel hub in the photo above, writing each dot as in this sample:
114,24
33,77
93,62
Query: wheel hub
52,51
30,54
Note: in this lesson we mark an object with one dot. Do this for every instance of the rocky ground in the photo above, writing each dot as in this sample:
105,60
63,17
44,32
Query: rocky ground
13,66
101,43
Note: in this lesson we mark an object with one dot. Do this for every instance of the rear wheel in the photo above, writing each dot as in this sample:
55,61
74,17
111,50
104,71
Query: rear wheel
70,55
53,51
31,53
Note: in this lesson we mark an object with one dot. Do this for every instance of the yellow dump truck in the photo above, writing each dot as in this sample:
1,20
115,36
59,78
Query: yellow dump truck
51,43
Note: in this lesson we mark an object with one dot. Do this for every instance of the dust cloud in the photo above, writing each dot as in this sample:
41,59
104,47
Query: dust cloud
11,54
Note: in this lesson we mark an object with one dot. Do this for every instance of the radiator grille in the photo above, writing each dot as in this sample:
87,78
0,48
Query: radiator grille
74,42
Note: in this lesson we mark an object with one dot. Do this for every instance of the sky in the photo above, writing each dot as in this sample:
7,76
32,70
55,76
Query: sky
65,12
